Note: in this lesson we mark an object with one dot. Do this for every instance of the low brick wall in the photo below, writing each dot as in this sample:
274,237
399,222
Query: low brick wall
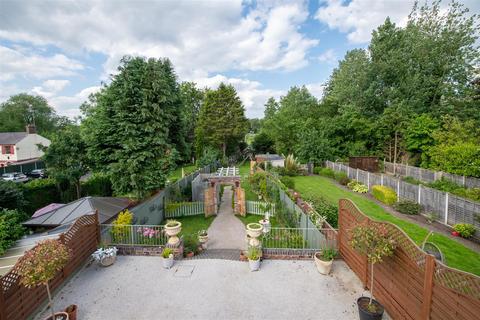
148,251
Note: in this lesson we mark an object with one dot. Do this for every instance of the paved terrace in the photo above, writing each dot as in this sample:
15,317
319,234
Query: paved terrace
139,288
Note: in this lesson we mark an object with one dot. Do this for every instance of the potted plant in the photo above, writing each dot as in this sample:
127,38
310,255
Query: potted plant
324,259
105,257
376,243
40,265
203,237
172,229
254,230
71,310
167,258
253,255
266,225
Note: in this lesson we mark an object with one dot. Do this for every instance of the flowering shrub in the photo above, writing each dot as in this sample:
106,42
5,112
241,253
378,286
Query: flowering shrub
102,253
42,263
120,230
384,194
465,230
356,186
149,235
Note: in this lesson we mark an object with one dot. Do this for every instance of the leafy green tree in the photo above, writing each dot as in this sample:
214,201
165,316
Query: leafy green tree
254,125
133,126
222,123
23,109
10,228
262,143
192,99
313,145
419,136
66,159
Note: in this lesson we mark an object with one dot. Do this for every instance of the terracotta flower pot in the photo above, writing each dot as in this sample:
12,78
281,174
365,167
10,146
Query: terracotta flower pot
455,234
71,310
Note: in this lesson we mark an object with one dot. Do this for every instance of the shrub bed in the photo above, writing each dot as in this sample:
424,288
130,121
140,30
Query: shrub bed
326,172
10,228
356,186
466,230
407,207
342,178
288,182
384,194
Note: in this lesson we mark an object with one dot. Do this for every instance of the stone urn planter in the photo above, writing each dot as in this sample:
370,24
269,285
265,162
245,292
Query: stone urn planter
167,258
266,225
254,230
203,238
172,229
323,263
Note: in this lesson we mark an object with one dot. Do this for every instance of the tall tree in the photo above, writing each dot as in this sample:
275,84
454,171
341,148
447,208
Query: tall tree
222,123
66,158
192,99
133,126
23,109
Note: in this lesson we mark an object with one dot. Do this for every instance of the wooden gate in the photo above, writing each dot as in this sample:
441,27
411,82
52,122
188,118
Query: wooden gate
410,284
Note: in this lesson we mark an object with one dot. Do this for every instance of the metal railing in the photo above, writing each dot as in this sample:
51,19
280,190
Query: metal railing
303,241
133,235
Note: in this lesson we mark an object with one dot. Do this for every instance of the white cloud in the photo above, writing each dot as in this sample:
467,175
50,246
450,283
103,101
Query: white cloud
30,65
328,57
359,17
50,88
200,37
316,89
68,105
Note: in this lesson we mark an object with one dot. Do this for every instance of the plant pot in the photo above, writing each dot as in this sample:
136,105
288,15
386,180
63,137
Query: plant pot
323,266
254,230
455,234
172,232
190,254
203,239
266,225
254,264
59,316
167,262
108,260
71,310
363,311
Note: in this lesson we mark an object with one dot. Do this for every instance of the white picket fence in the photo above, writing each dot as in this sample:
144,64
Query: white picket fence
426,175
450,209
184,209
256,207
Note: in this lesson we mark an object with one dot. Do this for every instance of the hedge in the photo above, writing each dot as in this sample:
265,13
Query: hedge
384,194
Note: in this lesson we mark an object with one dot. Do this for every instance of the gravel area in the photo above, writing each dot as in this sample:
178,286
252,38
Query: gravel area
138,287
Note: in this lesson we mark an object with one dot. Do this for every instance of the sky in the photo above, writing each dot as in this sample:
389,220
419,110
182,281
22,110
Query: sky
64,50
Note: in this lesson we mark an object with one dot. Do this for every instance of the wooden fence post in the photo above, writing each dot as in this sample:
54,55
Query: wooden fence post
97,226
428,286
3,310
446,208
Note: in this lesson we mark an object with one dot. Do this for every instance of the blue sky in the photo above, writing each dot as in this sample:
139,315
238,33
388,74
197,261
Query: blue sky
63,50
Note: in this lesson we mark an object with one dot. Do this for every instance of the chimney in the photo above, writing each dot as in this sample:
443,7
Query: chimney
31,129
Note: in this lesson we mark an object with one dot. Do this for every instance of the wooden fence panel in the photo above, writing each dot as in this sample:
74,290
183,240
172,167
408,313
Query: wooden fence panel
20,302
410,284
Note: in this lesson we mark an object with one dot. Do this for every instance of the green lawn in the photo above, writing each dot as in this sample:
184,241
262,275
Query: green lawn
457,255
249,218
177,173
193,224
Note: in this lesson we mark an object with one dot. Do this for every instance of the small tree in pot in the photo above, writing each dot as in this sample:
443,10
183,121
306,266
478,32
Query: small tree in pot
41,264
376,243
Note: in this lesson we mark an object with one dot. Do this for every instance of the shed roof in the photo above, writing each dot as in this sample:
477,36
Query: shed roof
269,157
107,208
11,137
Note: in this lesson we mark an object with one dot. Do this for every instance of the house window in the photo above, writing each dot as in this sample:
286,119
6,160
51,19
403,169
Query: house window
8,149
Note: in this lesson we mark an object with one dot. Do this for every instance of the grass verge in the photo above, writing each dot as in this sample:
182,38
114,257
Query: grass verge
457,255
193,224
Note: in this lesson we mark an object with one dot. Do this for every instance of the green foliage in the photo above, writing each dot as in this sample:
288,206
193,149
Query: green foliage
121,230
292,167
23,109
328,254
451,187
39,193
342,178
98,185
258,181
41,264
192,100
262,143
466,230
326,209
10,228
190,243
326,172
288,182
419,136
209,156
166,252
254,253
373,241
356,186
11,195
65,158
412,180
384,194
221,123
134,126
407,207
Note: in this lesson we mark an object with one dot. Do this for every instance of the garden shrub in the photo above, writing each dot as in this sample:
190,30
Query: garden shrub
98,185
342,178
411,180
288,182
451,187
327,172
466,230
258,181
356,186
292,167
120,230
407,207
11,195
326,209
384,194
10,228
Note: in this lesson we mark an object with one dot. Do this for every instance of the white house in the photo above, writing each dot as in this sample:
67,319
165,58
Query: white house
274,159
21,146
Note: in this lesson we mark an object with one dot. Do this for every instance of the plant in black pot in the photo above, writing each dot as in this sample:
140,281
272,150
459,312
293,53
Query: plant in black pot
376,243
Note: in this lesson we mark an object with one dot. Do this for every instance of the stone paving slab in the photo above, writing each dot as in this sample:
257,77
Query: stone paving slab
137,287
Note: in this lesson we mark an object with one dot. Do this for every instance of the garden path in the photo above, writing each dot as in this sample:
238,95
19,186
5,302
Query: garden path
226,231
